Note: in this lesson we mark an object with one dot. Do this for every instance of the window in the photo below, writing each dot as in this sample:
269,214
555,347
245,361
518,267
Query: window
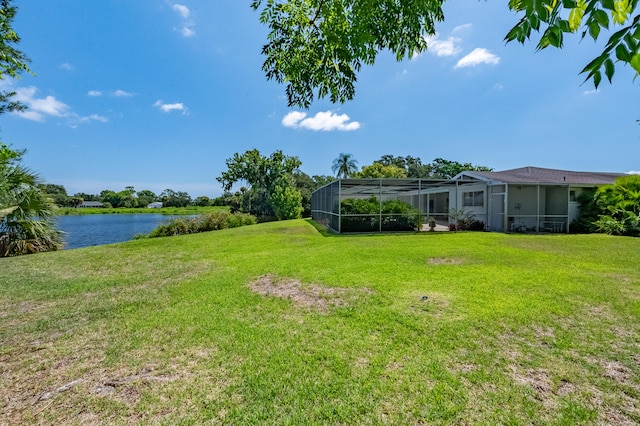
473,199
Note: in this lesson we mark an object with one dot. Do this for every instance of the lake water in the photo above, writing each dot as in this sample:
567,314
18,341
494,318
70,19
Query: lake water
97,229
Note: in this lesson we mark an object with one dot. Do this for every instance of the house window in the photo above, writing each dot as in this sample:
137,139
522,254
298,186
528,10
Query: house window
572,196
473,199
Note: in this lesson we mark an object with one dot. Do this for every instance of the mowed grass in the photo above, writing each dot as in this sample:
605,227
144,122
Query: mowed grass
515,330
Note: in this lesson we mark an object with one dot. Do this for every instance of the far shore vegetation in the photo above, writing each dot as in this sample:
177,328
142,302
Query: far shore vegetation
177,211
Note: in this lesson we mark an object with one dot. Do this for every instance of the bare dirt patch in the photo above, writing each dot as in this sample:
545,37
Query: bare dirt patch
311,296
614,370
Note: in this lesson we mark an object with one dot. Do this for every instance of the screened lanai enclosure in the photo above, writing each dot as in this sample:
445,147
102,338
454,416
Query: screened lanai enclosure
385,205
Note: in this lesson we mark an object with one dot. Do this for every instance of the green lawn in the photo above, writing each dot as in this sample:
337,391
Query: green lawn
277,324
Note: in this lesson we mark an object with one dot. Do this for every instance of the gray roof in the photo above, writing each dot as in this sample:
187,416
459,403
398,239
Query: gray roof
541,175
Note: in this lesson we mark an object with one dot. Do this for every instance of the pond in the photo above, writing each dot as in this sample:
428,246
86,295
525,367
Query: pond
97,229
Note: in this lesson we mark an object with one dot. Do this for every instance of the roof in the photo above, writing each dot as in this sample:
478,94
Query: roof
541,175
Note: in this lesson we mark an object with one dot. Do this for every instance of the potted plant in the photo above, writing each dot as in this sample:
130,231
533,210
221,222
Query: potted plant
432,223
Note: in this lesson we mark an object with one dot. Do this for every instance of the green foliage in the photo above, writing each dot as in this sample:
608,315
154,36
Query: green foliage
262,175
438,169
585,223
171,211
412,166
287,202
205,222
171,198
619,206
550,18
464,221
365,215
377,170
12,61
447,169
306,185
344,166
26,224
318,47
202,201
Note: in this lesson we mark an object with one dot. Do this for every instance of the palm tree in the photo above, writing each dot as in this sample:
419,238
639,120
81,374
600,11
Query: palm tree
344,166
26,213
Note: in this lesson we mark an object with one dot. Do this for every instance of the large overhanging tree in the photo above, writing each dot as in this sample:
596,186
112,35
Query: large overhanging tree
317,47
26,224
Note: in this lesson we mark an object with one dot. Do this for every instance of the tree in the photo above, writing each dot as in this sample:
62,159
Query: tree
286,201
412,166
171,198
26,224
113,198
447,169
344,166
377,170
592,16
146,197
317,47
202,201
262,175
12,61
57,192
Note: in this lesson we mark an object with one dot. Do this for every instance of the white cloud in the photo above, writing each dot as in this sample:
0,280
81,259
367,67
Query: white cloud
591,92
122,94
66,67
293,118
96,117
322,121
448,47
39,108
182,10
187,32
476,57
461,28
188,27
170,107
633,172
76,120
498,86
94,93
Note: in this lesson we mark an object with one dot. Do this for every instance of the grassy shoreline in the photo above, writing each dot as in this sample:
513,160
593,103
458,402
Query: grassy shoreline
277,323
191,210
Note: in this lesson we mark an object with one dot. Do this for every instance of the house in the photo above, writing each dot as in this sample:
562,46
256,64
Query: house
527,199
155,205
532,198
86,204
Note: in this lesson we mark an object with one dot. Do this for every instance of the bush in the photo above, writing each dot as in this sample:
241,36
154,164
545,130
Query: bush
202,223
396,215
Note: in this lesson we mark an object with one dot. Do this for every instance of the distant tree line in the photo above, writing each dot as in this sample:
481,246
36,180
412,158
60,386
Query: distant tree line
128,197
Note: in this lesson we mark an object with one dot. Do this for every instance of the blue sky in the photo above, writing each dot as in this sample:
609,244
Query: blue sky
157,94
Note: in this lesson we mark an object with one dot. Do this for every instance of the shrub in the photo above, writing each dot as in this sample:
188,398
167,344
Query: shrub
202,223
396,215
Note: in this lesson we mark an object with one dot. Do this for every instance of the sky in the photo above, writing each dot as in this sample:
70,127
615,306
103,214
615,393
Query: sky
157,94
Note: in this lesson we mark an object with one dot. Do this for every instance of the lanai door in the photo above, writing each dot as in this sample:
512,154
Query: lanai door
496,208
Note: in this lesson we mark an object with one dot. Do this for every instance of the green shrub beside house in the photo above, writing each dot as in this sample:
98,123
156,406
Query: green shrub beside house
372,215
